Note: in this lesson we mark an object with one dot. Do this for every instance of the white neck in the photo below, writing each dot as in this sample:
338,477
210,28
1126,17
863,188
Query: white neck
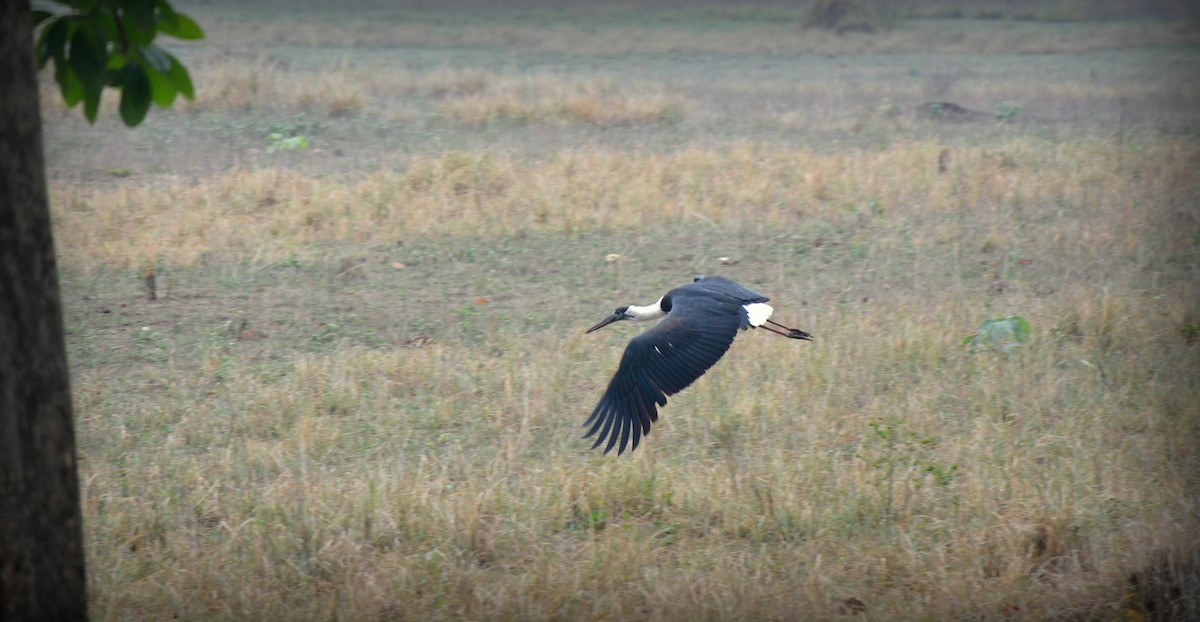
648,312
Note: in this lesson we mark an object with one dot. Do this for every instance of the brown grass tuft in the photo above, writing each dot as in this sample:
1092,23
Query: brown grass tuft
547,98
273,213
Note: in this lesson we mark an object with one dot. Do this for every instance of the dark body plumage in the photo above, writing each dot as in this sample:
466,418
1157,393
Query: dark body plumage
702,319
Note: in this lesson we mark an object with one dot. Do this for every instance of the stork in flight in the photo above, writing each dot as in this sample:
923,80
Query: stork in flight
702,318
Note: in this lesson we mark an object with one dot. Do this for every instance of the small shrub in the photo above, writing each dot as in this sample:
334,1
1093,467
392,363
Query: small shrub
284,138
1002,334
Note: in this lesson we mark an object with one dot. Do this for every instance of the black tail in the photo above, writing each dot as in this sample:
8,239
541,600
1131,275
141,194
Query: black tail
793,333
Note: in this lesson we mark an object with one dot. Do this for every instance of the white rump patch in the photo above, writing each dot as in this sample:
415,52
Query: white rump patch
759,313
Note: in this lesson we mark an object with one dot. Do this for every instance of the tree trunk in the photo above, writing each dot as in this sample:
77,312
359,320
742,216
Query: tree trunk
41,535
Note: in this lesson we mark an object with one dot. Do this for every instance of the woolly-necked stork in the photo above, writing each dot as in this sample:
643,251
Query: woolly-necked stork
702,318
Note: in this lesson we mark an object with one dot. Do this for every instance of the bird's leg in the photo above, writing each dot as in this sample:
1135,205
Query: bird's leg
793,333
774,330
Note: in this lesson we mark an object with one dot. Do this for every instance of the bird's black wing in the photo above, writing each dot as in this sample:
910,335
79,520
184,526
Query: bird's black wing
662,361
727,287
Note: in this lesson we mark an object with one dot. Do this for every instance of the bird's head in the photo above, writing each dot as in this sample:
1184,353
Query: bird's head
622,313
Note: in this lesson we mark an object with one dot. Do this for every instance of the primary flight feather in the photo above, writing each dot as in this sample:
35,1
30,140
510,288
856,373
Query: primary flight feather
699,322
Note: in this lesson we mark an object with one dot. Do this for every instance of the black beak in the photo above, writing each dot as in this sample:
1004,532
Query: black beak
605,322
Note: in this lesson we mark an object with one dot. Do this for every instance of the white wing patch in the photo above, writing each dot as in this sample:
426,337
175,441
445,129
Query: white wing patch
759,313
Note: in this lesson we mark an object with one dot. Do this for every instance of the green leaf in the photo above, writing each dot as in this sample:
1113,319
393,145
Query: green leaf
116,61
135,94
165,9
162,89
138,20
52,41
41,15
88,59
156,58
180,78
180,26
104,23
91,103
110,43
69,83
89,65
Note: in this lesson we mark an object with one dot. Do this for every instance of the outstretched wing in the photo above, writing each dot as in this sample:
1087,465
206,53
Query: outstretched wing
662,361
723,286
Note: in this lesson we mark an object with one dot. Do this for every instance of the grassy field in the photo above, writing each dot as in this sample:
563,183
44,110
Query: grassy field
378,235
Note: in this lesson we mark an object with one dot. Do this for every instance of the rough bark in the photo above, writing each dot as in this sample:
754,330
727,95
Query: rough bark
41,537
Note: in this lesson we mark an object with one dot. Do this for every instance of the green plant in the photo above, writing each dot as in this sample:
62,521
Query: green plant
597,519
893,448
1190,333
327,333
282,142
942,475
111,44
1002,334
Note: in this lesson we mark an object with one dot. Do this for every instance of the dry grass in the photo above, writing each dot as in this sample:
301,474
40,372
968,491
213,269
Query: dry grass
547,98
474,97
358,395
648,33
469,95
269,214
884,467
244,83
884,464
